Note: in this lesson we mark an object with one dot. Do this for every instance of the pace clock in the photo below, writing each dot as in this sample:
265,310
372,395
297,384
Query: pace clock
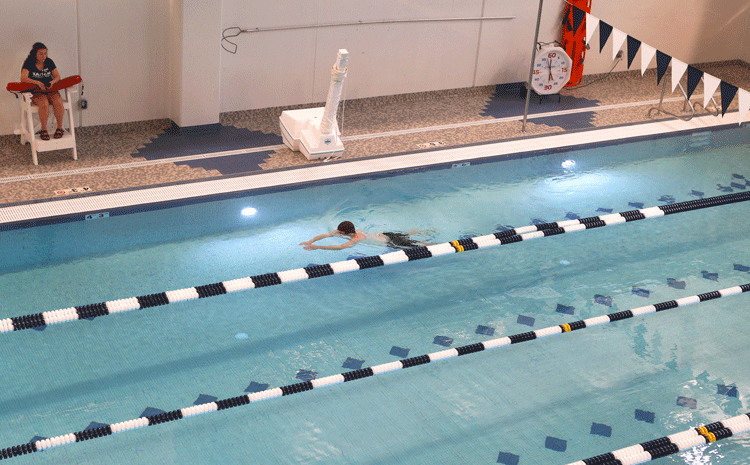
551,71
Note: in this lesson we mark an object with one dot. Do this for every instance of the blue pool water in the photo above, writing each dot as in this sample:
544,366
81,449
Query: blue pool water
548,401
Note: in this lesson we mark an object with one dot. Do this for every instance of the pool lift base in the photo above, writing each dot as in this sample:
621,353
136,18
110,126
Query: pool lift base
313,131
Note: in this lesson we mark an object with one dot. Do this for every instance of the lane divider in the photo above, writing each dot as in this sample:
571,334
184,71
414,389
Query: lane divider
271,279
362,373
673,443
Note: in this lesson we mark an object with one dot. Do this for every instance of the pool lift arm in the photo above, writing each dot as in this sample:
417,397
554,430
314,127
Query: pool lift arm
314,131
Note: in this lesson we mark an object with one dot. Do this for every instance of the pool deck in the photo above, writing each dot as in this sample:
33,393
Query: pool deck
148,161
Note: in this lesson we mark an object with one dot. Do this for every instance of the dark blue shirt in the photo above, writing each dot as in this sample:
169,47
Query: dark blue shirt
45,75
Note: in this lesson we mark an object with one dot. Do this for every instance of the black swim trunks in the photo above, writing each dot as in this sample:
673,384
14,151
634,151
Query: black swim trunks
398,240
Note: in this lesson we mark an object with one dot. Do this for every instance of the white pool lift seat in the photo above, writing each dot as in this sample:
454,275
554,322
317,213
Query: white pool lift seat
30,127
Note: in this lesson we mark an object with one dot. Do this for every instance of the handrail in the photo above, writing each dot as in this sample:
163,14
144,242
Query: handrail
687,102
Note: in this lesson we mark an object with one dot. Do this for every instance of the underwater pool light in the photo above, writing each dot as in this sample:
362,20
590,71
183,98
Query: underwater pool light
249,211
568,164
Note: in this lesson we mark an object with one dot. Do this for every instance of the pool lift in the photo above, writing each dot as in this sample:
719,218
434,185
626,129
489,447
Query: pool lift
314,131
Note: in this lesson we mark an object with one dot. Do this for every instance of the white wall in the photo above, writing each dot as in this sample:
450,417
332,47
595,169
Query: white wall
124,60
290,67
694,31
127,47
20,27
195,61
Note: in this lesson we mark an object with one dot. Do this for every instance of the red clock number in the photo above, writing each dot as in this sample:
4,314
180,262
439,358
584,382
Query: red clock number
552,55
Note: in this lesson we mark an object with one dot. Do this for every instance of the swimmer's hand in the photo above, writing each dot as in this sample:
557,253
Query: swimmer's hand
308,245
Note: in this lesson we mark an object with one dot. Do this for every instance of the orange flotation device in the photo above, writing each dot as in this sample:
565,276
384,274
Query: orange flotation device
20,87
574,39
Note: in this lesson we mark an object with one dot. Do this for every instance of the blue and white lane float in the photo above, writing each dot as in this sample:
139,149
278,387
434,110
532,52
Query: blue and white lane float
271,279
673,443
245,399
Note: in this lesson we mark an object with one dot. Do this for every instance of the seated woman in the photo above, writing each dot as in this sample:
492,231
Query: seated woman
41,71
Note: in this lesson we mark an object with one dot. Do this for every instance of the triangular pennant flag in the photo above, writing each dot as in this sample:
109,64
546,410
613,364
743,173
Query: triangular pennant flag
710,83
678,69
727,95
662,62
578,16
744,103
694,77
647,54
633,46
604,31
592,22
618,39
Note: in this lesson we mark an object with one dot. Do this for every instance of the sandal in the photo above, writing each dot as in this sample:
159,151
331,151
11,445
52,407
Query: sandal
59,133
44,135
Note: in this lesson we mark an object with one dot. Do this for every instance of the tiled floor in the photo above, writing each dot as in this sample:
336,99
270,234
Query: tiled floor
143,154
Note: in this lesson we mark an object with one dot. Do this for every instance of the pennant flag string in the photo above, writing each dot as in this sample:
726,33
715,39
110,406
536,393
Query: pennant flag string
647,56
618,39
662,62
592,23
694,75
744,103
710,84
678,69
578,17
633,46
728,92
604,31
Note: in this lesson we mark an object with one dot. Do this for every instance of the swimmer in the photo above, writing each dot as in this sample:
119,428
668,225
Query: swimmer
394,240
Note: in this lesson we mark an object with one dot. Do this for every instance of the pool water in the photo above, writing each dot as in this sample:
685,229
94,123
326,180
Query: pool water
534,403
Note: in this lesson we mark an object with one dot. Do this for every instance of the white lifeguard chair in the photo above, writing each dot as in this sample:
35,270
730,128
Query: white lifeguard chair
29,127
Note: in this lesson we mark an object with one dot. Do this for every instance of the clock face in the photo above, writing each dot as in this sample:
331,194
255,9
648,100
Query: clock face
551,70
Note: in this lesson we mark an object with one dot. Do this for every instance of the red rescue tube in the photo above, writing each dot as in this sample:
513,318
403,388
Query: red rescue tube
574,42
26,87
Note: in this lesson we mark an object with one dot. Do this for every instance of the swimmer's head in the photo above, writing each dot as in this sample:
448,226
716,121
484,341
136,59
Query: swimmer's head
346,227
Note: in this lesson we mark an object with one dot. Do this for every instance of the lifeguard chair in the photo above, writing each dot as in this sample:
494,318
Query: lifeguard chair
29,126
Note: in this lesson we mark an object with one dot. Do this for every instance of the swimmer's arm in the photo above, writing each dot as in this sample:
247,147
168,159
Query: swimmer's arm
317,238
345,245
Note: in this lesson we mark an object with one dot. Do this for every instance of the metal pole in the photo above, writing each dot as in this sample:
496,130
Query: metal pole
531,68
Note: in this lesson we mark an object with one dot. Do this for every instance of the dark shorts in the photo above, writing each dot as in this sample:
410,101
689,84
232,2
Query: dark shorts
398,240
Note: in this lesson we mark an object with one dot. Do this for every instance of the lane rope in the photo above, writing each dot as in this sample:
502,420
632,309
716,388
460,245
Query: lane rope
673,443
362,373
316,271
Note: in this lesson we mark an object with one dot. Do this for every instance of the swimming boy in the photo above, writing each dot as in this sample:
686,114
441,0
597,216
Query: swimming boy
346,230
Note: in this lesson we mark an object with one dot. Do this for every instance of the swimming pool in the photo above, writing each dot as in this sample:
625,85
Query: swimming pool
526,402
